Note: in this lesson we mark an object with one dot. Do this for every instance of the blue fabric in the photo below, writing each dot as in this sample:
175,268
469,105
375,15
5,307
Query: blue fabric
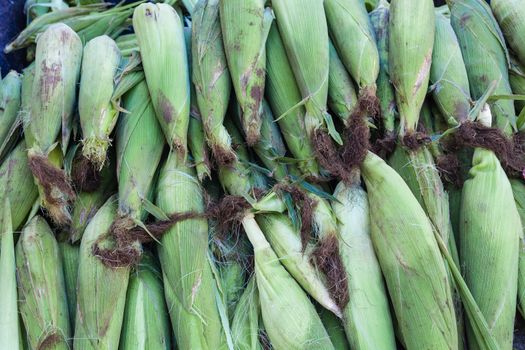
13,21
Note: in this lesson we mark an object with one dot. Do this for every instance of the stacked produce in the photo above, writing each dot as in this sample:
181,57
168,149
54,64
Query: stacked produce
249,174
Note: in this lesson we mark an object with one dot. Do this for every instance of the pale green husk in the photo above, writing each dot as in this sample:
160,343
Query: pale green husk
245,324
10,96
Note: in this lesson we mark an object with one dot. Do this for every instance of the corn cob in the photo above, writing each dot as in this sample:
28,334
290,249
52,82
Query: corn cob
211,78
335,329
57,64
245,26
342,97
10,91
70,254
372,329
160,36
146,320
518,190
139,137
300,22
98,115
404,242
17,185
510,16
101,293
484,238
290,319
9,327
485,54
283,94
448,75
410,57
379,18
245,324
188,281
354,38
41,288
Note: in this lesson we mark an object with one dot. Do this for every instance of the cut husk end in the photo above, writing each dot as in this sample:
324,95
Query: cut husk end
95,149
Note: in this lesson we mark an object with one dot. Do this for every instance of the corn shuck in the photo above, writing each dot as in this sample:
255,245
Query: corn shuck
409,257
139,139
10,96
146,320
490,230
9,326
485,55
518,190
448,74
17,184
510,15
98,115
245,324
160,35
342,97
245,26
284,95
411,40
211,77
189,285
70,254
289,317
101,293
41,288
367,319
354,38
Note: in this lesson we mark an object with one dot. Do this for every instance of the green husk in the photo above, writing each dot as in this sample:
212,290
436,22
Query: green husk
127,43
146,322
138,139
232,281
448,75
335,329
101,293
411,39
380,18
353,36
290,319
10,96
404,242
511,18
41,288
367,319
485,54
270,148
518,190
40,24
9,327
286,243
342,97
70,255
197,144
517,83
188,280
283,94
57,62
17,185
98,115
490,231
245,26
299,22
245,324
88,203
211,78
160,34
